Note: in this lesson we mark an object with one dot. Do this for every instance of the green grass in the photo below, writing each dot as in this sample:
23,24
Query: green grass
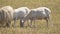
41,28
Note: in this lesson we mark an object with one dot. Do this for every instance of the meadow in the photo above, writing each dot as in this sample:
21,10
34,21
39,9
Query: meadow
41,28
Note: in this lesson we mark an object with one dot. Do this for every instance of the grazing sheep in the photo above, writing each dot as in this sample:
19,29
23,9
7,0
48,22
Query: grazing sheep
38,13
6,15
19,14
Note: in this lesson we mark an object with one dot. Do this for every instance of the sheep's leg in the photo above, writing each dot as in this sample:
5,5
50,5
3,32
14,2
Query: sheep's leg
8,23
30,23
34,23
21,24
50,21
47,22
14,22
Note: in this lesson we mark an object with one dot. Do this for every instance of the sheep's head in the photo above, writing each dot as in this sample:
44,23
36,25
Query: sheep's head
22,21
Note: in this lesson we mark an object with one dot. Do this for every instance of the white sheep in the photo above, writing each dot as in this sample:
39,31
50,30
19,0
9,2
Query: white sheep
6,15
38,13
19,13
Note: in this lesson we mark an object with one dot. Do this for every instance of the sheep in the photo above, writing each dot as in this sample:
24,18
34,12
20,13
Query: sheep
6,15
19,13
38,13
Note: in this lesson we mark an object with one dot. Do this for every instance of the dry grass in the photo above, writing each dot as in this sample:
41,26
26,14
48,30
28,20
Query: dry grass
41,28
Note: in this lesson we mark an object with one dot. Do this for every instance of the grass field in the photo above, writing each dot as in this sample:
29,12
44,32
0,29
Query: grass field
41,28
